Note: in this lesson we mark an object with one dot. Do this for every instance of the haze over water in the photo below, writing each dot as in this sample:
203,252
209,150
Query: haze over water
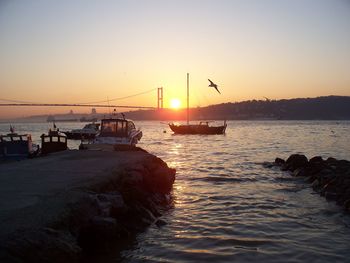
228,207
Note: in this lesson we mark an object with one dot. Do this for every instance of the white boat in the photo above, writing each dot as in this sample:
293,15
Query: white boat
89,131
114,133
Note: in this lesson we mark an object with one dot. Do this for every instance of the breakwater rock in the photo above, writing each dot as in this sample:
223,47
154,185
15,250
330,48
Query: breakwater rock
330,177
69,205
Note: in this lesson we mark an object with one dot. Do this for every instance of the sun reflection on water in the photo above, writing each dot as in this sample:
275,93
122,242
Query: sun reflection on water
227,207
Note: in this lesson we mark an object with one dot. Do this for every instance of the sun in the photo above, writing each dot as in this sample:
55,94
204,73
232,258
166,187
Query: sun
175,104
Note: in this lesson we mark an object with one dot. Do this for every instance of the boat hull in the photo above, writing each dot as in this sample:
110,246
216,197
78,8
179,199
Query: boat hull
79,136
14,150
197,129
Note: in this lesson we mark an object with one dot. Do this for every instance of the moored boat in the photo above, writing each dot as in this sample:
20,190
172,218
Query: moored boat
17,146
202,127
54,141
89,131
114,132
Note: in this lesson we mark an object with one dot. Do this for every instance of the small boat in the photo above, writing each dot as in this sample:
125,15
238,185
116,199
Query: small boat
54,141
201,128
89,131
114,133
17,146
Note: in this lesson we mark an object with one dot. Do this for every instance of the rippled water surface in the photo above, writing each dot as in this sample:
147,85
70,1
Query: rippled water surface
228,208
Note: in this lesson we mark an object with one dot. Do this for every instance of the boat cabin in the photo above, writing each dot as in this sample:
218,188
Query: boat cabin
116,128
15,145
114,132
53,142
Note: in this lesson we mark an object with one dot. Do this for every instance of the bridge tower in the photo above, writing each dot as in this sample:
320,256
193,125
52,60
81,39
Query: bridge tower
160,98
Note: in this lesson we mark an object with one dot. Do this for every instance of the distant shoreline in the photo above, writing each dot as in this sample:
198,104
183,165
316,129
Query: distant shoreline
321,108
211,120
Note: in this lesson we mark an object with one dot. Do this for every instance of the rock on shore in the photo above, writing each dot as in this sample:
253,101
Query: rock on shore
62,207
330,177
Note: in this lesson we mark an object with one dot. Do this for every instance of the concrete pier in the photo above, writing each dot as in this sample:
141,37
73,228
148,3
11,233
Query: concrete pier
57,207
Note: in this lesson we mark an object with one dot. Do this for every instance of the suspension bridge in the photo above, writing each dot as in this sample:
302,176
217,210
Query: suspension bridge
95,104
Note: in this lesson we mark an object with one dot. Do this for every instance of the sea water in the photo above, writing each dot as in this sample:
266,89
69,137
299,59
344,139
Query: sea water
228,207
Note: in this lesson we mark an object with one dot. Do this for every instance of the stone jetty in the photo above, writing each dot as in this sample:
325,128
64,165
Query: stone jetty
330,177
65,206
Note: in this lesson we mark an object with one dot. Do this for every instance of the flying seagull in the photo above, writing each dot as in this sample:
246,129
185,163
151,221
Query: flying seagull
212,84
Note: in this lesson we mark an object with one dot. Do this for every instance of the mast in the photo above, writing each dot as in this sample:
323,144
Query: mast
188,99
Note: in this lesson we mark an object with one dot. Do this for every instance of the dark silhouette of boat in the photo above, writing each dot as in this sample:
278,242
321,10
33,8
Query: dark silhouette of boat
89,131
17,146
54,141
201,128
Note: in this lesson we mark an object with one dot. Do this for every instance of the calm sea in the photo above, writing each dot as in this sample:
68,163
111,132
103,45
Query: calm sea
228,208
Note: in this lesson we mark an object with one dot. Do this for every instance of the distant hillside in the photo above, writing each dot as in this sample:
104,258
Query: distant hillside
320,108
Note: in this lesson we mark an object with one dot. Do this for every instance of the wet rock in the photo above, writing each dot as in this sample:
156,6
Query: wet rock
343,167
347,205
300,172
342,199
325,176
296,161
316,160
279,161
161,181
160,223
269,164
331,195
316,184
331,160
330,177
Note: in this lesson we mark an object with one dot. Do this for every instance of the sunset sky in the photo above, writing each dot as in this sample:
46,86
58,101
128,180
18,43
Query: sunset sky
87,51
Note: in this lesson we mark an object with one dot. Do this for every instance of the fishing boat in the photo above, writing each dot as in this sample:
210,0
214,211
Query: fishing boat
54,141
114,133
89,131
201,128
17,146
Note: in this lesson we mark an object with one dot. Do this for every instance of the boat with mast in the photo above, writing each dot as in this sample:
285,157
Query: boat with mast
201,128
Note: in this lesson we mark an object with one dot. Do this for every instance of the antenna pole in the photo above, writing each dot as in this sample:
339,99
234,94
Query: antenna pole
188,98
